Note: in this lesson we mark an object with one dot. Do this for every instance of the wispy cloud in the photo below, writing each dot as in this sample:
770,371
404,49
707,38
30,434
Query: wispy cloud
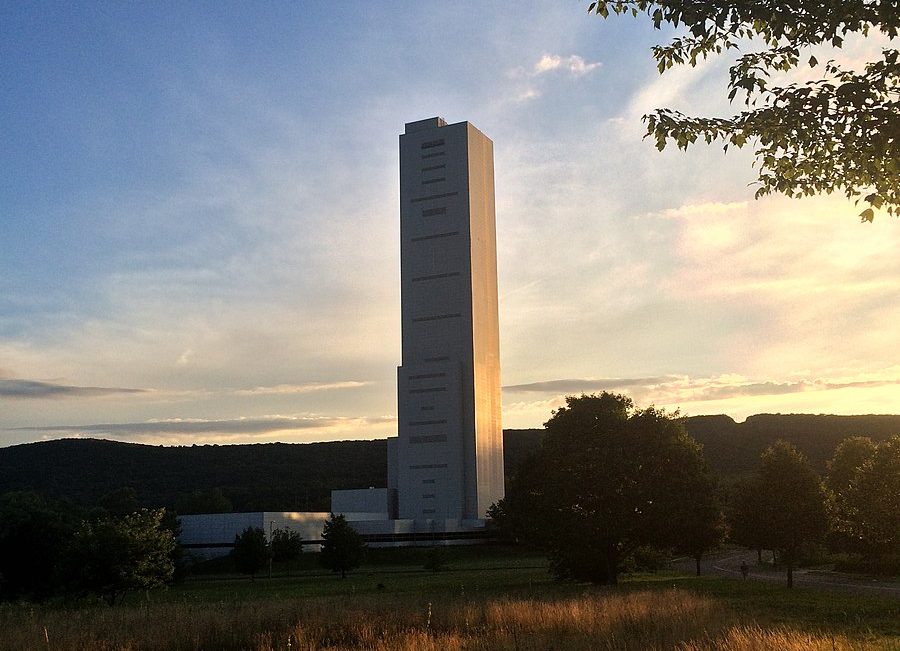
308,387
572,63
671,389
726,391
30,389
585,384
729,393
191,427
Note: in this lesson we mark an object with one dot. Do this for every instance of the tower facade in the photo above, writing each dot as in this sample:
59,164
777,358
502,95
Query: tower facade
449,449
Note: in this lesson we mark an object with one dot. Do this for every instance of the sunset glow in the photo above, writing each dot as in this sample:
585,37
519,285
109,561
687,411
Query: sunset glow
199,239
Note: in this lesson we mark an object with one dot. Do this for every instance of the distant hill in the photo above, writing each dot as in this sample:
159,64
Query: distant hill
734,448
270,476
300,477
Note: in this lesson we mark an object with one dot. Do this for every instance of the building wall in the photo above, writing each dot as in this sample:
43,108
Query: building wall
208,535
449,447
362,503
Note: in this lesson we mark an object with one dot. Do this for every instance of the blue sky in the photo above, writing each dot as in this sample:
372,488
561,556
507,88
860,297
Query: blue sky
199,224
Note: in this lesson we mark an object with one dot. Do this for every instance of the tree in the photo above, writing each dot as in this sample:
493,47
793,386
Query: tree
210,500
33,535
792,501
121,501
849,457
838,132
702,521
870,505
511,516
609,478
342,547
251,551
435,558
113,556
746,518
287,545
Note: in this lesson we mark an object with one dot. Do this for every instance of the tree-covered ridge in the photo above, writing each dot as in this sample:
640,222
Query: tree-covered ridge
261,477
300,477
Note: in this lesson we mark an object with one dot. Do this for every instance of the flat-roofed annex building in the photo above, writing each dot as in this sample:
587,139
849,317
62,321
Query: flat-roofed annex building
448,460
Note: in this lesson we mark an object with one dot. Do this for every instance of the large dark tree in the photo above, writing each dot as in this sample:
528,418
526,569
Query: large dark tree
849,456
251,551
609,478
342,547
287,545
792,502
836,133
869,506
111,556
746,518
33,535
701,525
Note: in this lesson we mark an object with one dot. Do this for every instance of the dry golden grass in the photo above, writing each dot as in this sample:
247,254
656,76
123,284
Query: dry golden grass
651,620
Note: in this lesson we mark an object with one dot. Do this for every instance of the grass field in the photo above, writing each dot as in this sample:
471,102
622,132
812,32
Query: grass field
488,598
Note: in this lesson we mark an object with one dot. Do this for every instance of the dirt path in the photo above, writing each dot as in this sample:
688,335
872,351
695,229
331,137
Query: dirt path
728,564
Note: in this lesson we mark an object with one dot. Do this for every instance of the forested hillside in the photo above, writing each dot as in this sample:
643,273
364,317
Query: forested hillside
299,477
734,448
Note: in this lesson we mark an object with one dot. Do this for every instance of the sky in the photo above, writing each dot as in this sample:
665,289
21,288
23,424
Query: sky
199,224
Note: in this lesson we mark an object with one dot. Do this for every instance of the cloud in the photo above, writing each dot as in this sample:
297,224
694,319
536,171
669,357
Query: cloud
202,427
548,63
674,389
585,385
30,389
309,387
573,63
781,388
528,93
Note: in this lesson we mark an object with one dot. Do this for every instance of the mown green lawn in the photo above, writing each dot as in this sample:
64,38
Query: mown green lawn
486,599
474,573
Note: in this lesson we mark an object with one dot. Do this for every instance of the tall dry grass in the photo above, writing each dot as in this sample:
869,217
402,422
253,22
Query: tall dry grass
650,620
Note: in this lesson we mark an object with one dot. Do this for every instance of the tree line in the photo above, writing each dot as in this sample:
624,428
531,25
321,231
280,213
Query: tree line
342,548
51,549
610,481
299,477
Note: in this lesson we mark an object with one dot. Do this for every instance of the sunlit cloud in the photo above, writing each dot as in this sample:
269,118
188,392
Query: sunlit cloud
573,64
584,385
527,94
30,389
248,264
310,387
526,78
195,427
674,389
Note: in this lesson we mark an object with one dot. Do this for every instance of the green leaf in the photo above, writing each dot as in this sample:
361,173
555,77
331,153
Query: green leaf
867,215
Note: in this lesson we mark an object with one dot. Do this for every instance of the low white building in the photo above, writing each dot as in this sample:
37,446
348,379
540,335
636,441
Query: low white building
208,535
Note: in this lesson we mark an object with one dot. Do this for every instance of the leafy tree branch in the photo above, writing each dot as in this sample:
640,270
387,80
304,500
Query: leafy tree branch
836,133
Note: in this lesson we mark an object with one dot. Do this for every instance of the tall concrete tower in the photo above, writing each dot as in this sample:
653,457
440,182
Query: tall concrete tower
449,450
